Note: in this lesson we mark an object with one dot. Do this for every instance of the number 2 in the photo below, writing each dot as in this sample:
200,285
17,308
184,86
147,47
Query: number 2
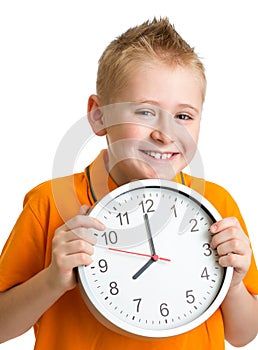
193,228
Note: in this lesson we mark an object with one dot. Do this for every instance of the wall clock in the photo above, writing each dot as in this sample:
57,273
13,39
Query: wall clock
154,272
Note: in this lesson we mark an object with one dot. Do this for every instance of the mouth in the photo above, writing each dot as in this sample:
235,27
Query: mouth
160,155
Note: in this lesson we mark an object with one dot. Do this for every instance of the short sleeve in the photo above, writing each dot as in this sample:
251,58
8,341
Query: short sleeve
251,278
23,254
226,205
28,249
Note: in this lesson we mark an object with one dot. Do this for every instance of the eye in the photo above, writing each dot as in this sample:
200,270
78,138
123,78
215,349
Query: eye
183,116
145,113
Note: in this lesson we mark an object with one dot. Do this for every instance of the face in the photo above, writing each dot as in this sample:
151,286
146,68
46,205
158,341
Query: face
156,134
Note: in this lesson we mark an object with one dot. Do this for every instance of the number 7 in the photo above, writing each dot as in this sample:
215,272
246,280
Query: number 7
138,303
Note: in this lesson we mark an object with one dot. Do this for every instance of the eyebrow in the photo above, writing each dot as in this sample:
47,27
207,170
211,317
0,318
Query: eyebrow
180,105
185,105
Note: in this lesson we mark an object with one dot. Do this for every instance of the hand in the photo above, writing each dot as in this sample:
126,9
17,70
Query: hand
233,247
72,246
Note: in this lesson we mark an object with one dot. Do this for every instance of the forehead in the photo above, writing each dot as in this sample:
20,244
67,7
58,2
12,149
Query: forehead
165,85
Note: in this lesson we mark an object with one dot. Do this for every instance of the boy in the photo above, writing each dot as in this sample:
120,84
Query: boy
150,92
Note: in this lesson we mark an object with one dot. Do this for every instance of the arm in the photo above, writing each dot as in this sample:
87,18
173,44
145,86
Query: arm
22,305
240,308
240,314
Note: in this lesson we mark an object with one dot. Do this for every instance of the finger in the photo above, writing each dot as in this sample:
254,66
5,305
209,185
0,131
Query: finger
78,246
73,235
234,234
84,209
224,224
74,260
233,246
83,221
85,234
239,262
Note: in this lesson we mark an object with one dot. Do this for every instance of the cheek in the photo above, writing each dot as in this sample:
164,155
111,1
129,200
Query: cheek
194,135
125,132
188,140
122,142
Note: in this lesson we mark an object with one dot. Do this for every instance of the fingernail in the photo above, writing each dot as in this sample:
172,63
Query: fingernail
214,228
99,223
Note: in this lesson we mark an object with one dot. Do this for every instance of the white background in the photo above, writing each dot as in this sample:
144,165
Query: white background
48,60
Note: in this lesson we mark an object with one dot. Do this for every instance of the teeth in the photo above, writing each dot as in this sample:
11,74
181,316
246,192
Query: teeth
158,155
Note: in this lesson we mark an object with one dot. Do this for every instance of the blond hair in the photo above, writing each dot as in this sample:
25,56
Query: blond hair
152,41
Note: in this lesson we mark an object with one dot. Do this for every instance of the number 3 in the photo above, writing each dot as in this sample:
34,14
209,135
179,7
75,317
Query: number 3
208,250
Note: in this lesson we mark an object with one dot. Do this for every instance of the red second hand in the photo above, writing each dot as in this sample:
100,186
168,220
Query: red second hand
155,257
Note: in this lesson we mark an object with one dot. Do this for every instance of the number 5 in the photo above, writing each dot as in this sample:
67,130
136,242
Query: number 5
190,296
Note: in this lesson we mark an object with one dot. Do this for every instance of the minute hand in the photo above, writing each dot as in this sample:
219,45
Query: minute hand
150,239
154,256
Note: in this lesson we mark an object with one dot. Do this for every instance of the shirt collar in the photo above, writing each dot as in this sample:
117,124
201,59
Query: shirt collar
101,182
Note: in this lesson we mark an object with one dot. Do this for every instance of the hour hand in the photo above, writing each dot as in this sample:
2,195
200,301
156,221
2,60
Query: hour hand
142,269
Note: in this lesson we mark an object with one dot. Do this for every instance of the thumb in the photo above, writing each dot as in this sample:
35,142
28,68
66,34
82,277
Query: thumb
84,209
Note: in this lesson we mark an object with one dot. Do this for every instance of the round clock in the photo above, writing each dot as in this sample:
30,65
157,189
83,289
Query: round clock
154,272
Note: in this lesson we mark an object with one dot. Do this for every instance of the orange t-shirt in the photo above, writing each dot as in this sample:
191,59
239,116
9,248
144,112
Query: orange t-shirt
68,324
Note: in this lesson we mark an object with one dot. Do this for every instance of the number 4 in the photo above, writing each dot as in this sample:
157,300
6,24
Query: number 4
205,273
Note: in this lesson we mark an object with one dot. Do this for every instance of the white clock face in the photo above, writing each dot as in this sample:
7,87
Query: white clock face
154,273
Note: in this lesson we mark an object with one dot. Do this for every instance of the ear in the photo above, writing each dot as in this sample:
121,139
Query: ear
95,116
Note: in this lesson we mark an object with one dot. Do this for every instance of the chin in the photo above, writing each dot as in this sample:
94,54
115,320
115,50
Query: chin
154,175
139,170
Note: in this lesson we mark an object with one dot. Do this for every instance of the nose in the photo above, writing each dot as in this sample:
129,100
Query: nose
164,132
161,137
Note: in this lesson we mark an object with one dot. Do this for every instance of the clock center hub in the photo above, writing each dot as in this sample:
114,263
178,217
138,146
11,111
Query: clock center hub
155,257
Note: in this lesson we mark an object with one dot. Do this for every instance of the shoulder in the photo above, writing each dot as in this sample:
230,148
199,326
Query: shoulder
46,189
217,195
64,194
216,191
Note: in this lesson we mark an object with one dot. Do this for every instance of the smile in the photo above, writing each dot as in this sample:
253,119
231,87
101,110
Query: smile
159,155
